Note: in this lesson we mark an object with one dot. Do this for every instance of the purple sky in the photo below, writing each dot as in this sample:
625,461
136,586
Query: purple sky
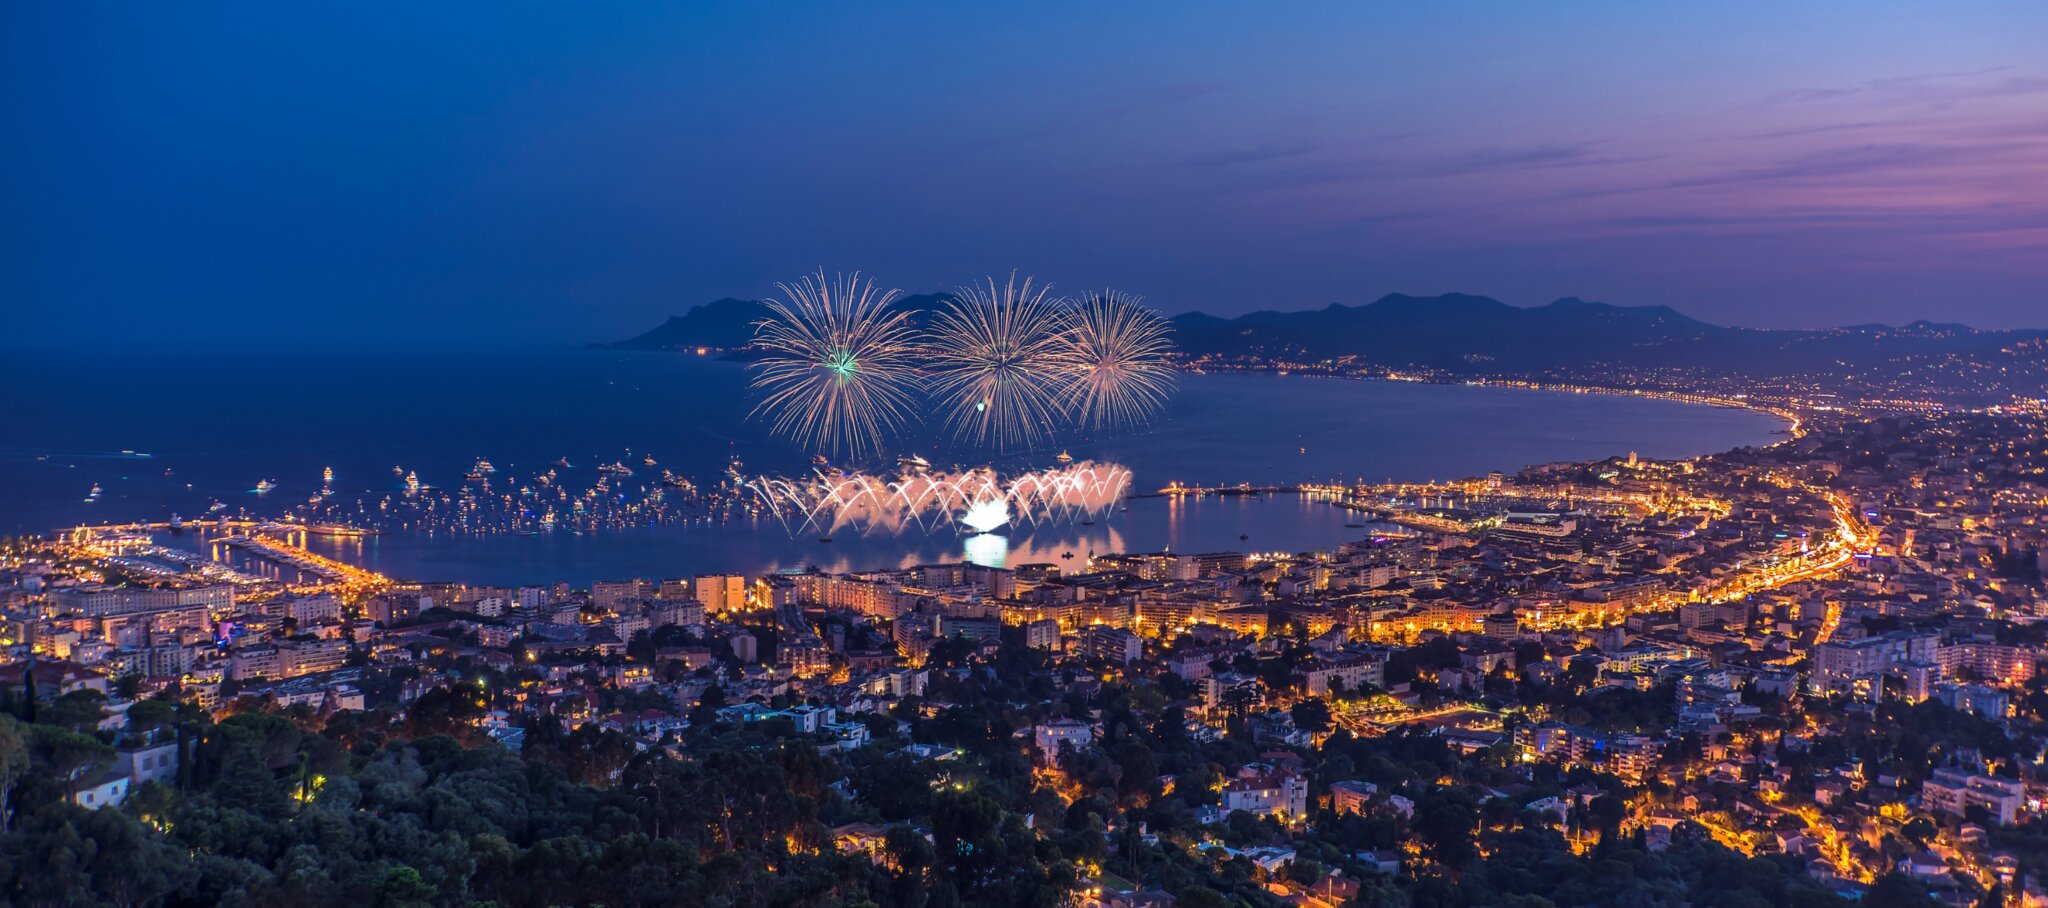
268,173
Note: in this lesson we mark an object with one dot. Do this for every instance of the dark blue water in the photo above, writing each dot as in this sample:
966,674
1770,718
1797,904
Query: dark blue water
212,427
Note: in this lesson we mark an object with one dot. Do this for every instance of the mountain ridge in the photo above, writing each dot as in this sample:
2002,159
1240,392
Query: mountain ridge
1459,335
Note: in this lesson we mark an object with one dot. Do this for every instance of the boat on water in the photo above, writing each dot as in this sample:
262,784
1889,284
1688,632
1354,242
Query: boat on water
484,466
562,463
93,495
327,475
338,529
913,463
616,467
412,482
648,460
1064,458
265,486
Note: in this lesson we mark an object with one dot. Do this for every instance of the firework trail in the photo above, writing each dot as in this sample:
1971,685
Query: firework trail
839,371
980,499
999,364
1118,350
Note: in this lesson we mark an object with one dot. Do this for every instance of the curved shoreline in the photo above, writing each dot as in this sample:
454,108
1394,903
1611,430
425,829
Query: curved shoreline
1794,421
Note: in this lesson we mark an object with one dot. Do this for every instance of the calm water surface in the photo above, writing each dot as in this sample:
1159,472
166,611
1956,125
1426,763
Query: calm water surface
212,427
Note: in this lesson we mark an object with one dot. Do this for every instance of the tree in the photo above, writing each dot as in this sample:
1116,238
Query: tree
1895,890
67,756
1606,813
97,856
965,835
145,717
1444,823
1311,715
14,760
80,711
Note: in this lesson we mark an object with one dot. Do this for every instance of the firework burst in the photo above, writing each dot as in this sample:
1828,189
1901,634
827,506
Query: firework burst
838,374
1000,364
1118,350
979,500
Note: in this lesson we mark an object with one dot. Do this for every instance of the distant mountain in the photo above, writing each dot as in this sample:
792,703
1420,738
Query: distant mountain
1467,334
1570,339
728,324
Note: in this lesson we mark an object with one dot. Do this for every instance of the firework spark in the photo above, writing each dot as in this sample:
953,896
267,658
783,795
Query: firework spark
1000,365
1119,351
839,371
980,500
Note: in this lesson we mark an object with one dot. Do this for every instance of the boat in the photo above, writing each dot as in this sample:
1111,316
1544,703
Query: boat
327,475
484,466
412,482
337,529
819,461
398,471
1355,526
824,539
265,486
616,467
1243,536
93,495
562,463
1065,458
913,463
648,460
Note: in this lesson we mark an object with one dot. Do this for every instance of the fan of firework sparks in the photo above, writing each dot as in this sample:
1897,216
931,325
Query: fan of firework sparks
1119,351
1000,365
980,500
838,372
1007,365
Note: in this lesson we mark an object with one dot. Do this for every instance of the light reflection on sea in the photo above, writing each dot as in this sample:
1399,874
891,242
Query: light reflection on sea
1249,523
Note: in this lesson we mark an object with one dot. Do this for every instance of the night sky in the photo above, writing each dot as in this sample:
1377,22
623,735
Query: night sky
268,173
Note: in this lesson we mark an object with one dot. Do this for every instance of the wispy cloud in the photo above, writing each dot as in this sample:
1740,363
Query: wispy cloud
1259,154
1523,157
1916,84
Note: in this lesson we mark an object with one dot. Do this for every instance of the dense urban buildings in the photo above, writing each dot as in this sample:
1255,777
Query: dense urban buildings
1792,674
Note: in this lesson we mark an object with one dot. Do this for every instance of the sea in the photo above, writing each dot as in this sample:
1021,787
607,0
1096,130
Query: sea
162,434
